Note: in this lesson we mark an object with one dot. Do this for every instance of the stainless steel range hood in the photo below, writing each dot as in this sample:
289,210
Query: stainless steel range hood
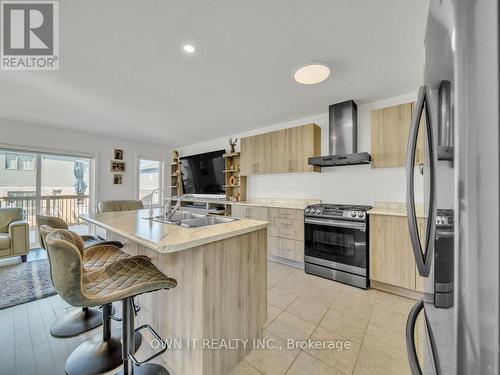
343,129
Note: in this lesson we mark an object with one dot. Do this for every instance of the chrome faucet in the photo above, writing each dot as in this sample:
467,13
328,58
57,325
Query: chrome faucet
151,204
169,211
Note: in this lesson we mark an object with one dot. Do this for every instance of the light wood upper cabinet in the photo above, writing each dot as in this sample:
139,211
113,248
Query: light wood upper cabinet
282,151
389,136
255,155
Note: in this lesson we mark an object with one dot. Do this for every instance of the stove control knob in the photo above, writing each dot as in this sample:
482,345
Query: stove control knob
361,215
353,214
318,211
307,210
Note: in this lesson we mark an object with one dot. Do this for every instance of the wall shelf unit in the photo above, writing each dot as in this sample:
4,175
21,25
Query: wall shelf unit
175,175
235,184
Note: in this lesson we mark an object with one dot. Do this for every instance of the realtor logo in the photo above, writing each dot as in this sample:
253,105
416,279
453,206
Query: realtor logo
29,39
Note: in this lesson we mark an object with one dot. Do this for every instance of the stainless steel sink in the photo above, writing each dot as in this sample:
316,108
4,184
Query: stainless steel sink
188,219
205,221
177,218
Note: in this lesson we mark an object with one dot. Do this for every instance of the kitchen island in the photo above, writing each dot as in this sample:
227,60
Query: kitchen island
221,293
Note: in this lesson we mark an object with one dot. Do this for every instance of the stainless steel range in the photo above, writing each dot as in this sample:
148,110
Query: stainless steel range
336,243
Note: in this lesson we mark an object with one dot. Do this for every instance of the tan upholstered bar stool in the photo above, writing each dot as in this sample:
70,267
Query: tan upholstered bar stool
102,352
79,321
121,280
124,205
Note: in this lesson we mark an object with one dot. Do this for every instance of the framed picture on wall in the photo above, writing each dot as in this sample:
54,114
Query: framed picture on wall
118,166
118,179
118,154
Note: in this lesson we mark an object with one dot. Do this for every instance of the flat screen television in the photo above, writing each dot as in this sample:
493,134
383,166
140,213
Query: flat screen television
203,173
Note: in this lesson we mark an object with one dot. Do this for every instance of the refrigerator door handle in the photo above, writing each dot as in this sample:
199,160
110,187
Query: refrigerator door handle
423,258
410,338
415,367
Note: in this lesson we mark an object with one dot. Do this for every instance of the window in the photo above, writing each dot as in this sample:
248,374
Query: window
47,184
149,177
21,162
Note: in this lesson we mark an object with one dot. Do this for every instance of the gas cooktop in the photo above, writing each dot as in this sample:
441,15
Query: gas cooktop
337,211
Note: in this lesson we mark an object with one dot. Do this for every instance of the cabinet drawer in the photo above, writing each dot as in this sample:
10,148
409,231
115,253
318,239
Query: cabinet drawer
286,248
250,212
286,213
286,228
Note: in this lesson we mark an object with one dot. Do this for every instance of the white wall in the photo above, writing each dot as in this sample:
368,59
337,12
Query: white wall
348,184
42,137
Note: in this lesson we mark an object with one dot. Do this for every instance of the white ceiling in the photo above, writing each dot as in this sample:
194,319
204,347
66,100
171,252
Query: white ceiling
123,71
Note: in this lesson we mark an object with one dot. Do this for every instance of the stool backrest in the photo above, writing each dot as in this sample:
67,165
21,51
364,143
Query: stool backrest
52,221
123,205
66,267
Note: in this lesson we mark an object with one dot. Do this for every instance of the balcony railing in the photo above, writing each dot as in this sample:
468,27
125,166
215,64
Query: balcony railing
67,207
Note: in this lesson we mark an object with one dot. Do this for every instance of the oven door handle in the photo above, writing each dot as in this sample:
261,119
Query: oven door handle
336,223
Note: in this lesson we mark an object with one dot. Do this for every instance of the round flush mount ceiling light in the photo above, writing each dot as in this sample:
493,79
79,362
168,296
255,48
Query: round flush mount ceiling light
311,73
188,48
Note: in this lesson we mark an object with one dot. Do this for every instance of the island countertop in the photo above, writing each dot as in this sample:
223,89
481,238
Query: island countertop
167,238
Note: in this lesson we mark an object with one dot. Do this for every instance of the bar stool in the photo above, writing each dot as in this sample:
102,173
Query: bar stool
102,352
121,280
78,321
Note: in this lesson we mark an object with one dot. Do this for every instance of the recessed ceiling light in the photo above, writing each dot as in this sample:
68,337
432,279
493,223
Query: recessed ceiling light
189,48
311,73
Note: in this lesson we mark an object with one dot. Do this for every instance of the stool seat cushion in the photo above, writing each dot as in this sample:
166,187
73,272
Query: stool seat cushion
116,281
125,278
98,256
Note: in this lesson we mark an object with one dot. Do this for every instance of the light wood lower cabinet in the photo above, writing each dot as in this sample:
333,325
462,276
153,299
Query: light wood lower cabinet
285,248
250,212
391,255
285,230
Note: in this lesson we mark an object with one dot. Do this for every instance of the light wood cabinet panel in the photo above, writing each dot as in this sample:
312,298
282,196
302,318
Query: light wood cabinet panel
285,231
286,228
282,151
389,136
305,141
248,151
286,213
263,154
250,212
391,255
286,248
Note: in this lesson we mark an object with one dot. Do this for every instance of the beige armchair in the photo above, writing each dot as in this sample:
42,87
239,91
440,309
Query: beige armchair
14,233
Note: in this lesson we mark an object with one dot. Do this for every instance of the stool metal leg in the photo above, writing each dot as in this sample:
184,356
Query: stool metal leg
98,354
101,353
76,322
128,348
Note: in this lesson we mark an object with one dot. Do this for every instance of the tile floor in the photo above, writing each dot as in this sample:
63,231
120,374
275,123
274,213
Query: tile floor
305,307
300,307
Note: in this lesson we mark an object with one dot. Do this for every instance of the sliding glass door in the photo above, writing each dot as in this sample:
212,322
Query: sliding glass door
47,184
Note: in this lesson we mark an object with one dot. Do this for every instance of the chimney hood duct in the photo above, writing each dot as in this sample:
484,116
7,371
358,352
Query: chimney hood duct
343,129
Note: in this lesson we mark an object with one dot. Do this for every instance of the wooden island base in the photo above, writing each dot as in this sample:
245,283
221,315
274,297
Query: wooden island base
221,293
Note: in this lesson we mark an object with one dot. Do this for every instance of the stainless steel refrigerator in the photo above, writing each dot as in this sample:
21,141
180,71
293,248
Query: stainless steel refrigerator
458,250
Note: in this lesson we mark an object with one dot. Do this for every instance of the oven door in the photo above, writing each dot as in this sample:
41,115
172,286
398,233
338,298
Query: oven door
338,244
